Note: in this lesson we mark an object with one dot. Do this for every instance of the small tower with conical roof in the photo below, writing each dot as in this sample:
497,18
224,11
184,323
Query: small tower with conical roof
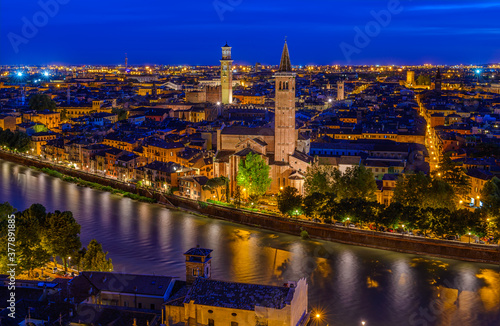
226,75
284,123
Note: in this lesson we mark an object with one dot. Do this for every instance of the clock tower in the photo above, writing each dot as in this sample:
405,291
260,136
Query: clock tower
226,75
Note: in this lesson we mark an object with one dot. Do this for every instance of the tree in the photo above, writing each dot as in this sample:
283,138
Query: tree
490,197
452,173
423,191
289,201
61,236
5,211
321,179
30,252
357,182
253,175
423,80
40,102
95,259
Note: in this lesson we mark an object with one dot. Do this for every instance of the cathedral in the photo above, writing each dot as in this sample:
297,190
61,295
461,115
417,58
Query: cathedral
277,145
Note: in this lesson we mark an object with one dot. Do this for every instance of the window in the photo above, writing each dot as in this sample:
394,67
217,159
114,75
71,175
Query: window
233,323
139,305
234,314
152,306
210,321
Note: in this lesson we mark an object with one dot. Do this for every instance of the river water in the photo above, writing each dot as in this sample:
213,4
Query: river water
347,284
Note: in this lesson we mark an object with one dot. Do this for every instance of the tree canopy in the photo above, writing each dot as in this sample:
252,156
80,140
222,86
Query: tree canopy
94,258
289,201
253,175
40,102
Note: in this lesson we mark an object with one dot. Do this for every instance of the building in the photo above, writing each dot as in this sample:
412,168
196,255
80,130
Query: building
204,301
340,91
277,145
226,75
410,78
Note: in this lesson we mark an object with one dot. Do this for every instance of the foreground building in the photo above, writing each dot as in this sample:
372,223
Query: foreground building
199,300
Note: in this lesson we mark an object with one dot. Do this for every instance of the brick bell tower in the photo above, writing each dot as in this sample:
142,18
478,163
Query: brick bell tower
226,75
284,122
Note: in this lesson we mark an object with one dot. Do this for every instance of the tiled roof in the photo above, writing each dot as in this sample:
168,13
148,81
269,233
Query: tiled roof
128,283
198,252
238,295
238,130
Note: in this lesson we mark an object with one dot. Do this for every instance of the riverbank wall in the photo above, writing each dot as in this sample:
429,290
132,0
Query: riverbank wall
394,242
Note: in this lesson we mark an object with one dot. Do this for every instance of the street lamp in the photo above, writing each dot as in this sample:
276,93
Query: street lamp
469,237
363,323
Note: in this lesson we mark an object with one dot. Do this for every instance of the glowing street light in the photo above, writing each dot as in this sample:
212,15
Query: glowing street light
19,74
46,74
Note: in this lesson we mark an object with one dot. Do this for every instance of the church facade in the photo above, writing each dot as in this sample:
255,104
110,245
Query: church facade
277,145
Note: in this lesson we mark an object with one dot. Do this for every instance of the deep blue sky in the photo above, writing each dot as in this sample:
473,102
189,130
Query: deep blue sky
191,32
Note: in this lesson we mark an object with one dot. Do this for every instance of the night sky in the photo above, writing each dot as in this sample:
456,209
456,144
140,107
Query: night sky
192,32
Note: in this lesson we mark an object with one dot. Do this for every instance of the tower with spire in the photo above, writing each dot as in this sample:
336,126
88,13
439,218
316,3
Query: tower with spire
284,123
226,75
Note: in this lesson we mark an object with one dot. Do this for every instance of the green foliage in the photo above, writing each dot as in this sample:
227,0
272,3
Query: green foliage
490,197
17,140
289,201
453,174
423,80
122,114
423,191
357,182
253,175
304,234
318,179
95,259
218,186
97,186
61,237
29,231
40,102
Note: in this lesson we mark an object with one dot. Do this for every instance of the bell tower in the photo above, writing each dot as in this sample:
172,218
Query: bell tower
198,264
284,122
226,75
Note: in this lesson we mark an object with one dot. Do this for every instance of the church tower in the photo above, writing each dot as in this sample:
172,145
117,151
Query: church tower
284,122
438,81
226,75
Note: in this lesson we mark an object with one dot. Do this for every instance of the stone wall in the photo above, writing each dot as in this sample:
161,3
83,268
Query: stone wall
393,242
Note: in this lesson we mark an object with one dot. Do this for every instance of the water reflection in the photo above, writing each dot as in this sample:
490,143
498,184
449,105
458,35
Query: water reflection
347,283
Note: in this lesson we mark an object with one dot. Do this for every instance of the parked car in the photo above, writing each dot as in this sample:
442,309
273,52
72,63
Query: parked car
390,230
381,229
451,237
372,227
339,224
316,220
352,225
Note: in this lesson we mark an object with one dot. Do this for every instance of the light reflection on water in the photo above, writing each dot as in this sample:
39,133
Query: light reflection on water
347,283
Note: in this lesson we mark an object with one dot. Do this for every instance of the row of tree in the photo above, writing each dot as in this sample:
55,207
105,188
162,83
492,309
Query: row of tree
329,208
18,141
40,235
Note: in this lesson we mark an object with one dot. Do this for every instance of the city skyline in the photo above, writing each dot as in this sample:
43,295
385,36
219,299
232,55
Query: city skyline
359,32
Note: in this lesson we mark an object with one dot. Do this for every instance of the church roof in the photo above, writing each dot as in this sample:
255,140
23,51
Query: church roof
241,130
303,157
285,65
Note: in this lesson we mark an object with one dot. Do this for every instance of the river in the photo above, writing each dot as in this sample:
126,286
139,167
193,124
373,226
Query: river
347,284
